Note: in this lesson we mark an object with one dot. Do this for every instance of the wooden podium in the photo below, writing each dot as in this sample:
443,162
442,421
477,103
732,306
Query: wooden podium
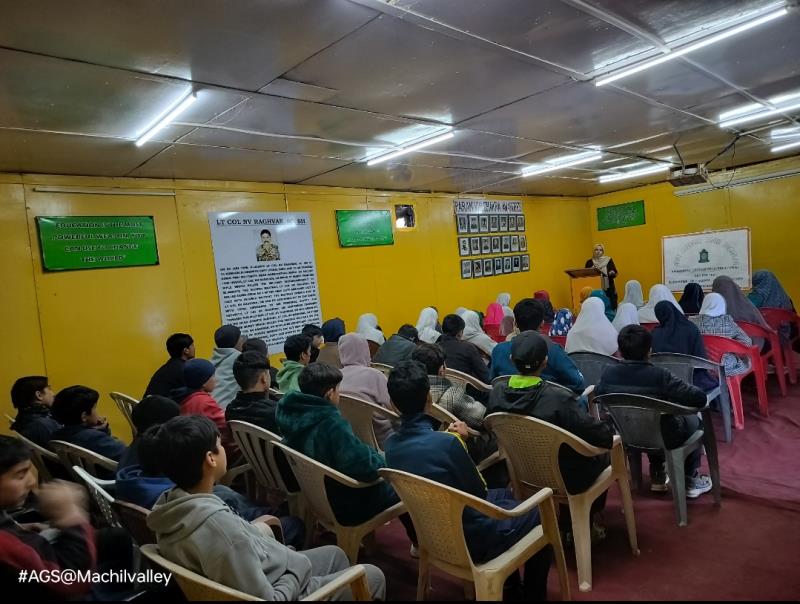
580,278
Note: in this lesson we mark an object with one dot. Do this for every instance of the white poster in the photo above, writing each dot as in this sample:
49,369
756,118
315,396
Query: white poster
266,274
701,257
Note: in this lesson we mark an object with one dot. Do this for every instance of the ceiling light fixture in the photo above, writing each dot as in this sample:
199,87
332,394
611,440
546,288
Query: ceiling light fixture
566,161
784,133
679,52
166,118
426,143
780,148
764,113
631,174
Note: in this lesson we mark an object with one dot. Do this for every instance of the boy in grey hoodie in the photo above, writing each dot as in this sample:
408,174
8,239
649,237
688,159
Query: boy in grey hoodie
195,529
229,342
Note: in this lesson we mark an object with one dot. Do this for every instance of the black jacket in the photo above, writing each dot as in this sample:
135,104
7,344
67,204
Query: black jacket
95,440
642,377
463,356
36,424
255,408
394,351
168,377
559,406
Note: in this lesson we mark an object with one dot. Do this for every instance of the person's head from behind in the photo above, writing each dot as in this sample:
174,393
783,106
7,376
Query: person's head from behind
634,343
189,451
319,379
529,353
298,348
149,459
17,476
431,356
528,314
409,332
153,410
75,406
180,346
32,390
409,387
251,372
256,345
315,333
198,374
266,236
229,336
453,325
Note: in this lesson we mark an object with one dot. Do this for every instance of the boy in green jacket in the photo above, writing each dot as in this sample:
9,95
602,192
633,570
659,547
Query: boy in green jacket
298,354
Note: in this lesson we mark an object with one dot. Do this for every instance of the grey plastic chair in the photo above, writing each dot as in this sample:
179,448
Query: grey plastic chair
638,419
683,366
592,365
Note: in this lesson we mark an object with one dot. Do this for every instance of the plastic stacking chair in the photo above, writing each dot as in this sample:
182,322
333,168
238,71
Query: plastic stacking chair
638,419
716,347
9,419
72,455
101,497
592,365
197,588
40,456
133,519
493,331
507,326
360,413
775,353
560,340
436,511
649,326
311,475
544,328
275,394
467,379
683,366
125,404
531,447
382,367
445,418
776,317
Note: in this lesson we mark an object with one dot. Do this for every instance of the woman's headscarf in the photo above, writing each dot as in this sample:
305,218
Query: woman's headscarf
676,333
633,294
601,264
585,293
461,310
472,324
507,327
692,298
562,322
599,293
544,298
714,305
354,350
426,325
739,307
494,314
659,292
627,314
368,327
769,292
504,300
592,331
333,329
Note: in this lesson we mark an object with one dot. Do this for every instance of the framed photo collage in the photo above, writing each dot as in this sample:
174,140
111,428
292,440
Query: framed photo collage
490,244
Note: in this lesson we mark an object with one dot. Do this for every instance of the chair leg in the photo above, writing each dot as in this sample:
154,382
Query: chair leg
423,580
349,540
582,534
547,513
788,356
489,587
761,388
780,370
635,460
725,409
737,406
678,481
627,509
469,590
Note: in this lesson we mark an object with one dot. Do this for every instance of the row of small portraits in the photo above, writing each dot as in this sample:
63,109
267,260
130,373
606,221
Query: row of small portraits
489,223
488,267
496,244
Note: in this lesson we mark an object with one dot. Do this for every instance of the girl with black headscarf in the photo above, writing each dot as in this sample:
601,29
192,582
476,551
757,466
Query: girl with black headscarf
692,298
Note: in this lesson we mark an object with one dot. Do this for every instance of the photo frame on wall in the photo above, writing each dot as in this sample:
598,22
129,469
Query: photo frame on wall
496,244
503,223
514,243
516,263
523,243
466,269
521,222
498,266
506,264
463,246
487,267
477,269
526,262
462,224
506,246
473,223
483,221
512,223
494,224
486,245
475,245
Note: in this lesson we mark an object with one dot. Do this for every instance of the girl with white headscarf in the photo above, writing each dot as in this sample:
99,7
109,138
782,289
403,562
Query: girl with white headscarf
426,325
368,327
659,292
714,320
592,331
474,334
608,271
633,294
627,314
504,300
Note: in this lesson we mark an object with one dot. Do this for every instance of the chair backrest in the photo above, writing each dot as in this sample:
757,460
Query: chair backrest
776,317
682,365
465,378
382,367
717,346
638,418
258,447
9,419
275,394
650,326
101,497
133,519
493,331
757,331
125,404
544,328
39,455
195,587
359,413
592,365
72,455
507,325
560,340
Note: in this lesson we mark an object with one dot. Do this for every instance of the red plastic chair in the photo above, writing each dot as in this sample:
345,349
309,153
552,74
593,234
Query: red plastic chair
650,326
775,354
716,347
777,317
545,328
560,340
493,331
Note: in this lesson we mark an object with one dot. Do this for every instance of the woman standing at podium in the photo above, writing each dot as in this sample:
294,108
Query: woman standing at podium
605,264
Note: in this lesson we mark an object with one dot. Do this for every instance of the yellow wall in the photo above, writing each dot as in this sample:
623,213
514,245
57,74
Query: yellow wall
106,328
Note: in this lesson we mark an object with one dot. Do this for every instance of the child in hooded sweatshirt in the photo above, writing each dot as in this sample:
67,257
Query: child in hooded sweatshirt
229,343
298,354
195,529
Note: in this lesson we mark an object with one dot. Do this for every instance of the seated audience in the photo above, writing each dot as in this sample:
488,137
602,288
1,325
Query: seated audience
659,292
692,298
76,408
592,331
195,529
442,457
426,325
627,314
33,399
364,382
461,355
494,315
72,547
298,354
252,403
713,320
768,292
474,334
229,342
152,410
332,330
609,312
740,307
562,323
169,376
399,347
504,300
368,327
636,375
544,297
317,339
260,346
528,315
633,294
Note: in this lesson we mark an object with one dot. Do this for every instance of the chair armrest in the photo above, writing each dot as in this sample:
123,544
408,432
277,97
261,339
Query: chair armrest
498,513
494,458
234,473
355,577
273,523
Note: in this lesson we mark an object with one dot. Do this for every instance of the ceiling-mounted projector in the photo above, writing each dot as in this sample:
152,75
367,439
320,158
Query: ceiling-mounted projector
692,174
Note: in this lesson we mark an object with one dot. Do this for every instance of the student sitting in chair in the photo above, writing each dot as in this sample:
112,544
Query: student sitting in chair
252,403
298,354
169,376
33,399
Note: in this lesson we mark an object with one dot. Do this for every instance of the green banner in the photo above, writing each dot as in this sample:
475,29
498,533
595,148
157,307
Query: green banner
358,228
83,242
621,215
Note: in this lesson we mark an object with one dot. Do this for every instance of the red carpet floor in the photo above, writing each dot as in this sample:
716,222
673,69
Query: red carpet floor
747,549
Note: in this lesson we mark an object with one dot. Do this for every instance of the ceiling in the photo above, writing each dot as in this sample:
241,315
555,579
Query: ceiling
302,91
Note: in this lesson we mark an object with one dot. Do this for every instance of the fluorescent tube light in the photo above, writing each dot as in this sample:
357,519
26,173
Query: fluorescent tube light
167,118
631,173
784,133
679,52
564,162
759,115
780,148
398,153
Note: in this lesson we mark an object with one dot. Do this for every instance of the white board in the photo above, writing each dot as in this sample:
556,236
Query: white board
268,292
701,257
